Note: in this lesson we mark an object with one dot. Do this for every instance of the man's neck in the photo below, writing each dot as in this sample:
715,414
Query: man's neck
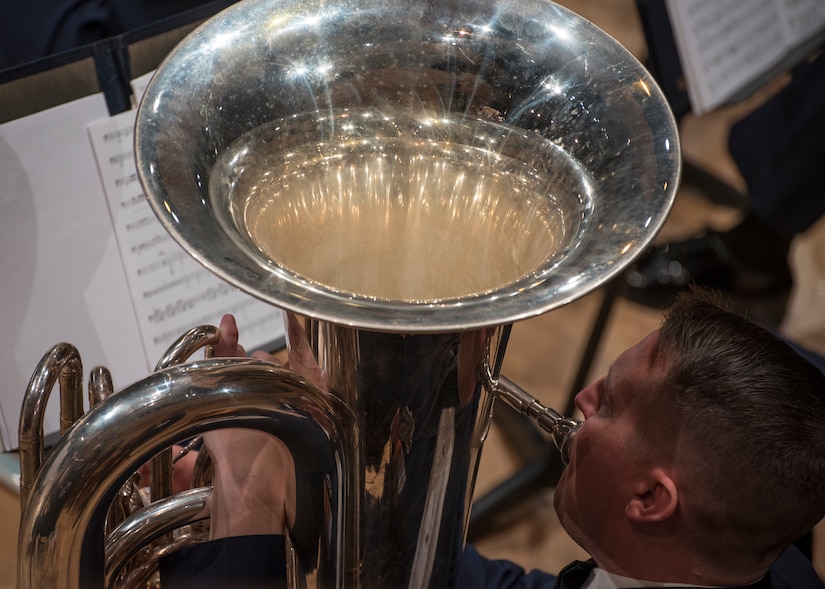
674,569
601,579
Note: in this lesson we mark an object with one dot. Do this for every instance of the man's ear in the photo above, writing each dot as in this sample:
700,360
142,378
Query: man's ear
655,499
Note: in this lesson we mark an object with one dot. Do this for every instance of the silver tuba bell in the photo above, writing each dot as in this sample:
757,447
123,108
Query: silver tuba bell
405,180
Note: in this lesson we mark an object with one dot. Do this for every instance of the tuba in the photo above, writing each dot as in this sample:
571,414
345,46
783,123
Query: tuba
405,180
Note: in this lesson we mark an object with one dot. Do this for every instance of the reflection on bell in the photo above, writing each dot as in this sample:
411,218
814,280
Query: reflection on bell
303,150
405,179
417,208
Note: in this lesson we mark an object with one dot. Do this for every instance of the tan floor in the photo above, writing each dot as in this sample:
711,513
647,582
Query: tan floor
544,352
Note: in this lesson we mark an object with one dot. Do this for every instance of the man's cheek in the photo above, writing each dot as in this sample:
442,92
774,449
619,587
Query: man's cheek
584,443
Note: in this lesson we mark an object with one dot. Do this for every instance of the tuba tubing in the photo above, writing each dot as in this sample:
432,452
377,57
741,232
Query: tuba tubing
61,363
151,523
129,498
182,401
167,406
561,428
204,336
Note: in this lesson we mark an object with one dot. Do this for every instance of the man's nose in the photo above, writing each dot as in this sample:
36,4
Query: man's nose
587,400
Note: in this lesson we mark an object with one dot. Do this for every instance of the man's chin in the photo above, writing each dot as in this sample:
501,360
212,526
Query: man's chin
559,495
572,530
562,503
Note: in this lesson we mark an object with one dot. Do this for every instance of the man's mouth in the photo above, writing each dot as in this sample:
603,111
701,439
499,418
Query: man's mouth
566,445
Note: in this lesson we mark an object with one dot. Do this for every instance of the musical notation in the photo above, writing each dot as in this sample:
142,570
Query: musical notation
170,291
727,47
121,134
126,181
144,246
246,312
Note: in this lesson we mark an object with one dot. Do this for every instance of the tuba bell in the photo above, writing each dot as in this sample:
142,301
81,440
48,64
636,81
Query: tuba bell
405,180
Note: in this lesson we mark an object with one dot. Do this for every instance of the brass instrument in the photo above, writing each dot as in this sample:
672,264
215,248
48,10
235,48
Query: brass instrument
174,404
405,180
62,364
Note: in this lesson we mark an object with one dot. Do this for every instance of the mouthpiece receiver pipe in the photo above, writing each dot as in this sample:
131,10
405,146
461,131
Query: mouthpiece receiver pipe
561,429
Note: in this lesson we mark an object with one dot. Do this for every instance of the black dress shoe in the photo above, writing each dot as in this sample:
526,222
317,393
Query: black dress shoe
663,272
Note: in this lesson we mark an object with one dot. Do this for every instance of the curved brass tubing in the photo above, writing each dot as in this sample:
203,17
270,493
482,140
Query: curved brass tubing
61,541
62,362
204,336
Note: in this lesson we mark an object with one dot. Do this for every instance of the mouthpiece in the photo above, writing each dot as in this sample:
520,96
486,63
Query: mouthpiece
561,429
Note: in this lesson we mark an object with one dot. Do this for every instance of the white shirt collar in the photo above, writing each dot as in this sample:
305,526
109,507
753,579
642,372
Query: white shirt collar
601,579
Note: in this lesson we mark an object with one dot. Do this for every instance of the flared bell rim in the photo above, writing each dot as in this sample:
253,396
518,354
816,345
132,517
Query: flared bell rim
628,211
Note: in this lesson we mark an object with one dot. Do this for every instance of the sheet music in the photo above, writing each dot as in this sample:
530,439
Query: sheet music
62,276
725,45
803,18
171,292
65,275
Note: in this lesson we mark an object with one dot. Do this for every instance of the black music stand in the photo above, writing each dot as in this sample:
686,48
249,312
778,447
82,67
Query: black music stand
107,65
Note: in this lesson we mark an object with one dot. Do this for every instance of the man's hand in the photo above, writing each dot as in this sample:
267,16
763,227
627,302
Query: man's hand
254,485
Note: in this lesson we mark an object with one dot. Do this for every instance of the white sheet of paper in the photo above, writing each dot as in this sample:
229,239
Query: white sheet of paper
85,261
803,18
171,292
731,48
725,45
61,274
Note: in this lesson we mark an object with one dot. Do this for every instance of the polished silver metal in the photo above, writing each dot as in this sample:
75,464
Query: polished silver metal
423,409
562,429
405,179
148,534
129,498
346,161
345,92
162,464
62,541
100,385
60,365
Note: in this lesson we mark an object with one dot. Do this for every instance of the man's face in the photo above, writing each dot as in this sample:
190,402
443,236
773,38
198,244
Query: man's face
605,456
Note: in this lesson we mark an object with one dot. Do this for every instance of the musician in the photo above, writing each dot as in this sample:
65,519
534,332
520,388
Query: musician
700,461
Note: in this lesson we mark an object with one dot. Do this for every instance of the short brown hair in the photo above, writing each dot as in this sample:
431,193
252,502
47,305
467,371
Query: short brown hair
751,423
